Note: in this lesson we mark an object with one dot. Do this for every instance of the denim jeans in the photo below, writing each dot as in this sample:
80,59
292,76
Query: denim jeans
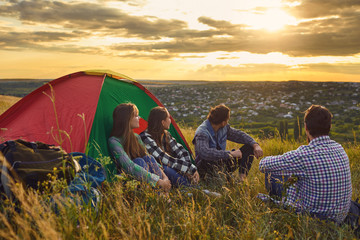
229,166
274,184
176,178
149,163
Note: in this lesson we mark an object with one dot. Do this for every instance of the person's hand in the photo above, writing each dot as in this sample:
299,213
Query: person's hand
164,184
258,152
195,178
236,154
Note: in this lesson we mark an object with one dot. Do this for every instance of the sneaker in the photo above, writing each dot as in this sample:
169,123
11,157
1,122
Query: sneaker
212,194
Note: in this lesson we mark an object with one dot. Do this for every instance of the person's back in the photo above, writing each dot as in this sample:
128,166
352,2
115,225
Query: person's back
323,185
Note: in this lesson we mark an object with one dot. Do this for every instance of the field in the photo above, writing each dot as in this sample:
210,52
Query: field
130,210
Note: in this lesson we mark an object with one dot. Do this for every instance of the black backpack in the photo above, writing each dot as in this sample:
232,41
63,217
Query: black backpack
32,163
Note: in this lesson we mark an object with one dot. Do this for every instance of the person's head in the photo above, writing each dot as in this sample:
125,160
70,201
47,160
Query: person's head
317,120
158,121
219,115
126,118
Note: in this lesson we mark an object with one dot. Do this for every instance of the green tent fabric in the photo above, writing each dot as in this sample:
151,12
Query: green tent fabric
80,119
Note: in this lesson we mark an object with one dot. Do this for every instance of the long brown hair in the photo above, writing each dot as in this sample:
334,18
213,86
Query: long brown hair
156,129
122,115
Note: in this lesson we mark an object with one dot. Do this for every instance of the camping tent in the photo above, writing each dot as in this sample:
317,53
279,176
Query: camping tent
75,111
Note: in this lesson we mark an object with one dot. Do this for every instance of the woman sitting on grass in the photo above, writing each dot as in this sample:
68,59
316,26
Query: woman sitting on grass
173,156
128,150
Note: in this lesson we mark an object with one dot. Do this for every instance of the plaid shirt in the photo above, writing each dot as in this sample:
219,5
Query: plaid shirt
324,180
181,160
204,152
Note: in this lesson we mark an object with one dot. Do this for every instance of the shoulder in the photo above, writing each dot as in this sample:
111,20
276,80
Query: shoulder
203,127
201,135
113,139
138,138
168,135
146,137
145,134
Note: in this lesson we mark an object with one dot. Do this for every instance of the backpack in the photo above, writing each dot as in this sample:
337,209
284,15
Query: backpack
86,185
33,163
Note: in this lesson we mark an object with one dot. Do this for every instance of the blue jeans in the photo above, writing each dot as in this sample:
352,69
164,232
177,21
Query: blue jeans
149,163
274,184
176,178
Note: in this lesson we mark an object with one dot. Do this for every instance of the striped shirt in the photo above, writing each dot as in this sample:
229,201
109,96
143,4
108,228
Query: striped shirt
323,186
179,159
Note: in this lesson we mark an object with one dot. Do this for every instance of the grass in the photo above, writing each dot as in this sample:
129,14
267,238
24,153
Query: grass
6,102
132,210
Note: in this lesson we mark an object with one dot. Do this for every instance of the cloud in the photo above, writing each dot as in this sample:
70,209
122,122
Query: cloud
320,8
244,69
13,39
268,68
90,16
330,36
345,68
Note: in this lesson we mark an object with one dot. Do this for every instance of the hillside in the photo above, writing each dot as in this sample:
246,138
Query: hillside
131,210
6,102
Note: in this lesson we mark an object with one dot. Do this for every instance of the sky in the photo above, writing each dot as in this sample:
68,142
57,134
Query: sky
257,40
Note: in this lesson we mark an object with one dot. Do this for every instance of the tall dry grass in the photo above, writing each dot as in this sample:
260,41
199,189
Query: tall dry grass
6,102
133,210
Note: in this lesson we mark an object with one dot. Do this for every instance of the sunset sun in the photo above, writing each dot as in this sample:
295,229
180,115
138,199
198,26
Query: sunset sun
271,20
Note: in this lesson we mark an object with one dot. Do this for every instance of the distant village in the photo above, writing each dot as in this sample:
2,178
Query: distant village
252,101
266,102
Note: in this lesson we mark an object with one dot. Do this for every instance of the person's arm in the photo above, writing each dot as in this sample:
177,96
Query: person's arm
166,159
239,136
182,154
289,163
121,158
204,152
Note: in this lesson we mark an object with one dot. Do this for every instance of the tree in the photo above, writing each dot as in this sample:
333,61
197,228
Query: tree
282,130
297,129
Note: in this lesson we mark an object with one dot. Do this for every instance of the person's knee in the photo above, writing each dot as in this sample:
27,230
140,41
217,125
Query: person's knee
140,161
247,148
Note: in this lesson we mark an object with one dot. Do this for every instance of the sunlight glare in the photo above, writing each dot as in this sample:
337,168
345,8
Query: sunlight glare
272,20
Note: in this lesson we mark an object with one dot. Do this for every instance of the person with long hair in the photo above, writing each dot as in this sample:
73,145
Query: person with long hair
174,158
128,150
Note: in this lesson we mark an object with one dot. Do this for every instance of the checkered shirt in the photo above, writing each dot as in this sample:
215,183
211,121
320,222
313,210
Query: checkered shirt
181,160
324,179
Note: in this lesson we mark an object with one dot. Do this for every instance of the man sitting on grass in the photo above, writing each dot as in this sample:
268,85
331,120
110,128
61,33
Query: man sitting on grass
320,170
210,145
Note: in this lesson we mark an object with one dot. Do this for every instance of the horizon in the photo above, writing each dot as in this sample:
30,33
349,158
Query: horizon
182,80
260,40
